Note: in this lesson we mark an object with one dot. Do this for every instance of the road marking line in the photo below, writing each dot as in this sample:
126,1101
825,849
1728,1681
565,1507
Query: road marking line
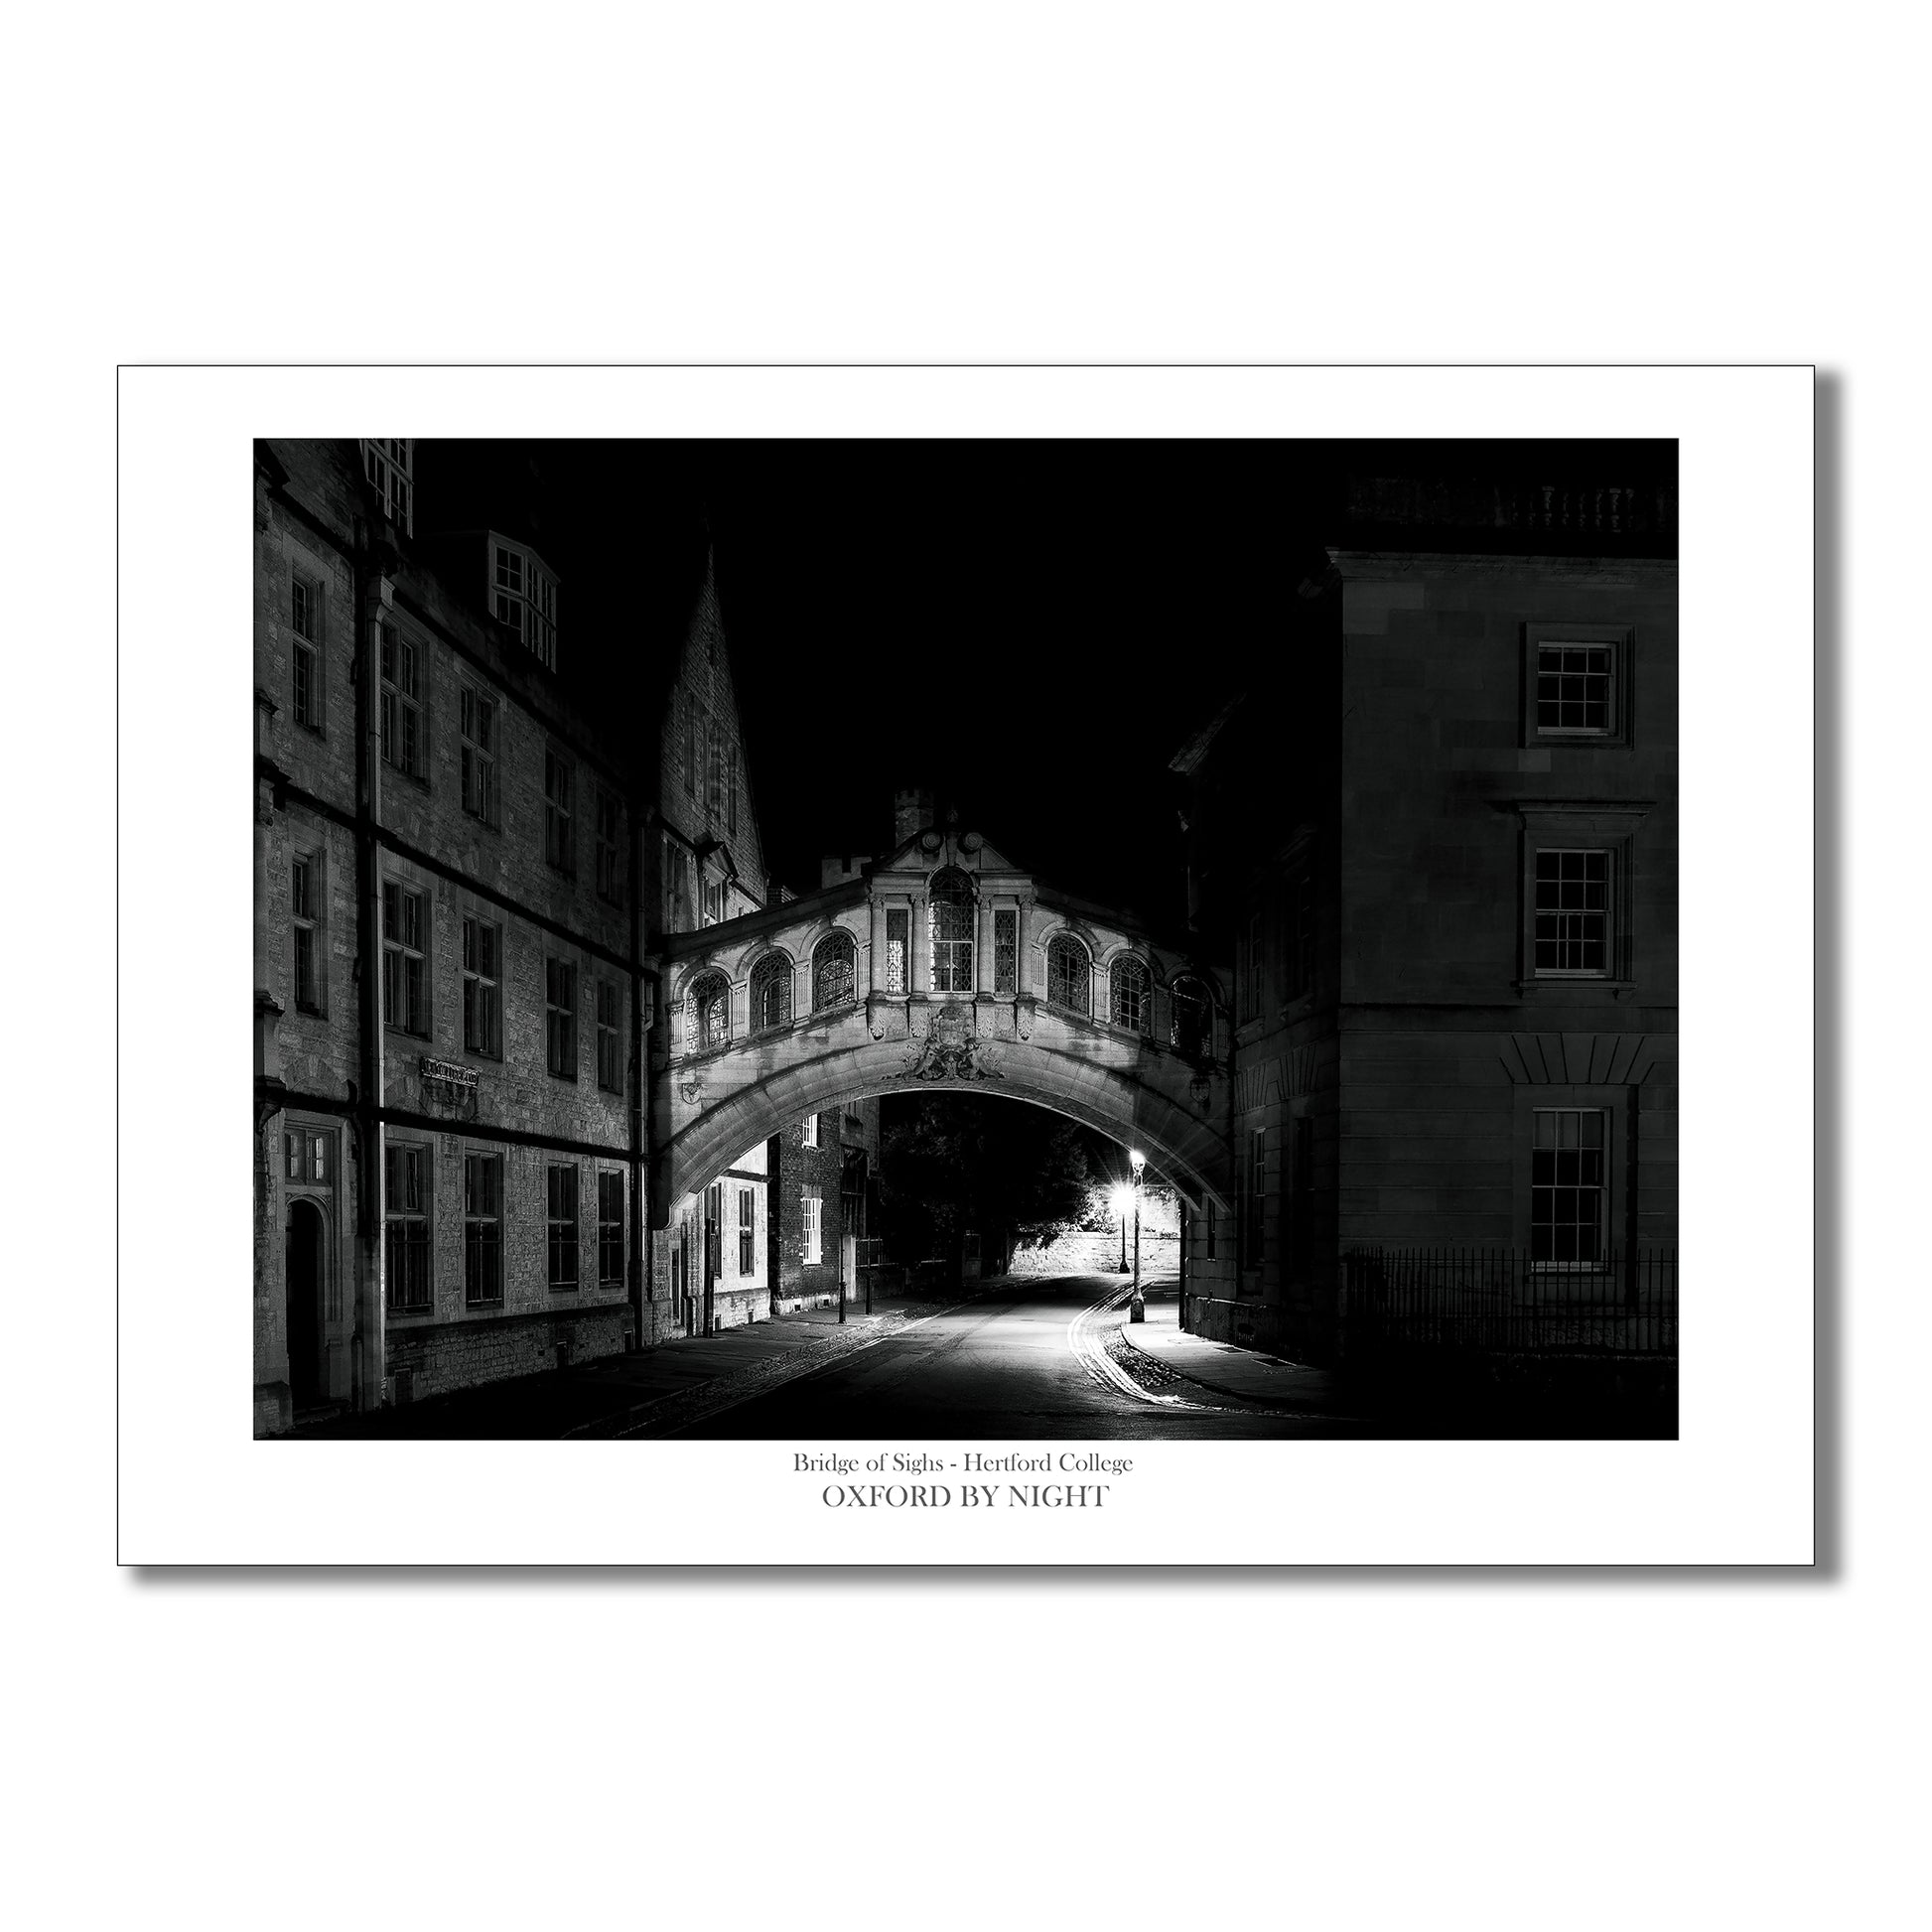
1090,1352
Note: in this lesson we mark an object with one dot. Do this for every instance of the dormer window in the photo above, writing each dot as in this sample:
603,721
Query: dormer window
524,595
388,463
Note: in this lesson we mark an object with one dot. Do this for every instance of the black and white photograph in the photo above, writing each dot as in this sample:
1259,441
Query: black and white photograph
962,968
942,940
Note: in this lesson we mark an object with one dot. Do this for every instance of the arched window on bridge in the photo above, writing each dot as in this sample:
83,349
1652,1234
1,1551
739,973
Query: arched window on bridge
709,1005
770,993
1132,994
951,896
1069,975
1191,1029
835,972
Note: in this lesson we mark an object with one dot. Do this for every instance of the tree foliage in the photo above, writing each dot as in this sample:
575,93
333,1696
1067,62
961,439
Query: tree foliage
953,1162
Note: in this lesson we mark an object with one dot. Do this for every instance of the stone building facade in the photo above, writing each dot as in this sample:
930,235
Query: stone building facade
463,879
824,1171
449,987
1438,838
712,1260
704,862
704,865
940,966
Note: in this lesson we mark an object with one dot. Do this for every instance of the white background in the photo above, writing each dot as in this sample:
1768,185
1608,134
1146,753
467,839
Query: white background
1490,183
1736,1487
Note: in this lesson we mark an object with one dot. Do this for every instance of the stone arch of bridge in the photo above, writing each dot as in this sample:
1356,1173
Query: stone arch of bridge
1181,1145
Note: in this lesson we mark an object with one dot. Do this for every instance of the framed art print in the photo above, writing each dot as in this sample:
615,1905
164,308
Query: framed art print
967,965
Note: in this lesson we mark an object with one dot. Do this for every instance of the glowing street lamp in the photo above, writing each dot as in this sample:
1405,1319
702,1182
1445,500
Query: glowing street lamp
1139,1161
1123,1200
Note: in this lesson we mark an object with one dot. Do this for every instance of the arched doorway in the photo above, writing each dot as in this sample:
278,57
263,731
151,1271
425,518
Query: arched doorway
303,1275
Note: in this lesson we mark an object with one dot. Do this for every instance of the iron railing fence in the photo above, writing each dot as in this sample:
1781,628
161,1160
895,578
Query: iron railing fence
1499,1301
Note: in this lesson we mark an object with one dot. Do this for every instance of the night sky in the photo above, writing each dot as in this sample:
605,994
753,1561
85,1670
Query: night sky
1030,629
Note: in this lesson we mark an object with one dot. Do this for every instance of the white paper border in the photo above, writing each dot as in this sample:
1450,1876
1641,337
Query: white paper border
196,1487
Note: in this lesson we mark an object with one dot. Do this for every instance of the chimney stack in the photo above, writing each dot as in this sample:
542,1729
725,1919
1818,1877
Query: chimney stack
911,813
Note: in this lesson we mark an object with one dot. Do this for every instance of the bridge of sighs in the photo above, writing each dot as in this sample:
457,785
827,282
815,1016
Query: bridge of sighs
942,968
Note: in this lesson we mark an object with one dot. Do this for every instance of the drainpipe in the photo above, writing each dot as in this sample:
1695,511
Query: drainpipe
373,593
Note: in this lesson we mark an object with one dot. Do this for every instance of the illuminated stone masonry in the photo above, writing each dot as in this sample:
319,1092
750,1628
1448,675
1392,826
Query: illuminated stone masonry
928,970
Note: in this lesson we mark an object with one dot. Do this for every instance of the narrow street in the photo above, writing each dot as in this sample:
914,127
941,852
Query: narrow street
1016,1360
1027,1361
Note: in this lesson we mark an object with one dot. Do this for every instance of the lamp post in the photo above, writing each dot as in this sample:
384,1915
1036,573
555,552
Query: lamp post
1139,1313
1121,1200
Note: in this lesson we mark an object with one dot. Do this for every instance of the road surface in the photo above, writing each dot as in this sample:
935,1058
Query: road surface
1025,1361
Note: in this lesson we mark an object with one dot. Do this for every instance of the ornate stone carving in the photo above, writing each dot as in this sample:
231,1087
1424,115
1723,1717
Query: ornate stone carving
951,1050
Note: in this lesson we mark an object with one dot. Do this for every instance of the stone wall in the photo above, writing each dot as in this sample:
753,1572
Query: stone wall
1085,1252
456,1356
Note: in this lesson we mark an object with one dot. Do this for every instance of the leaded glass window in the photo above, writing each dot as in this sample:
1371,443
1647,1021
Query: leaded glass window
610,1230
1133,996
951,915
405,1209
387,462
306,620
898,942
308,1157
482,1230
1006,951
835,971
560,1017
401,702
772,994
301,911
709,1003
524,597
609,1069
482,994
479,721
561,1191
1070,978
405,964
